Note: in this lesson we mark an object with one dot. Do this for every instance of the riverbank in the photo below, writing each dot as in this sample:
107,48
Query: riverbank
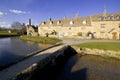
39,39
113,46
8,35
98,52
104,48
5,33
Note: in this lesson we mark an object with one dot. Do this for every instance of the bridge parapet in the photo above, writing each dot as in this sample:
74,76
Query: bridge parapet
26,68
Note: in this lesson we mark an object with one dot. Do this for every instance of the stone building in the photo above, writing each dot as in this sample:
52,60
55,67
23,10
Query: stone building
31,29
100,26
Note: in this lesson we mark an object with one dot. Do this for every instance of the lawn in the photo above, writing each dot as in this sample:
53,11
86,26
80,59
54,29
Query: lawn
6,34
45,40
115,46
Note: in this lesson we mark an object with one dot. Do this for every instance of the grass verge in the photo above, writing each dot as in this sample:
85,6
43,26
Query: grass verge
6,34
39,39
115,46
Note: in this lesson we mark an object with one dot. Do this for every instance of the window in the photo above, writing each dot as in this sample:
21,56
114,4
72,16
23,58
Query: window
102,33
118,17
71,22
84,22
103,18
51,23
59,22
102,26
111,17
43,23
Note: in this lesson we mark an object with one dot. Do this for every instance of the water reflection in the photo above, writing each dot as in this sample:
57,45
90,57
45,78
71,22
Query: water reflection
12,49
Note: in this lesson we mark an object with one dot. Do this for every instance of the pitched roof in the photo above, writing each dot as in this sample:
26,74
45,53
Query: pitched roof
80,21
66,22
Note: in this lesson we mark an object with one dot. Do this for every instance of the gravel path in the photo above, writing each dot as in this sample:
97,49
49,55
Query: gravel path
78,41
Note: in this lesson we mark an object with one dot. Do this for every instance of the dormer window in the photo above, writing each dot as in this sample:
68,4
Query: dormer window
84,22
51,22
59,22
43,23
102,18
118,17
111,17
71,22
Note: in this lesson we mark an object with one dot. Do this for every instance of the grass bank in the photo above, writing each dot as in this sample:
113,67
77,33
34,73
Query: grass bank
104,49
39,39
7,34
115,46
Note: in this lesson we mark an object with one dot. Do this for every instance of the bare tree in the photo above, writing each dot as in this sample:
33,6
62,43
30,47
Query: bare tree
16,25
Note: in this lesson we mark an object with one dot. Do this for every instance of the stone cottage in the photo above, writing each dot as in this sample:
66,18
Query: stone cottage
100,26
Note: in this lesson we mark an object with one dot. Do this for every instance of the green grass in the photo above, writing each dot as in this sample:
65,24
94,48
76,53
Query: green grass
44,40
115,46
6,33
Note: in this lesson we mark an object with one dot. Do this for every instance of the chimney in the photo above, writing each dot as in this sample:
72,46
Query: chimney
77,15
65,17
29,22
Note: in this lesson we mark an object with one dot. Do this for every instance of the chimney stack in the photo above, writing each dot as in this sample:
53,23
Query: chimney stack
29,22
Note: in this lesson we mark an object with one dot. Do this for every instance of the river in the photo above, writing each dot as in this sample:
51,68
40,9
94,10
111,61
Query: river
87,67
90,67
13,48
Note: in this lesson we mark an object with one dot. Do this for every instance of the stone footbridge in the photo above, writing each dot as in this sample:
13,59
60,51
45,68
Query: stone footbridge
23,69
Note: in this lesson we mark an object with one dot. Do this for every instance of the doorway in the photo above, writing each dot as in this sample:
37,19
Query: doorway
114,35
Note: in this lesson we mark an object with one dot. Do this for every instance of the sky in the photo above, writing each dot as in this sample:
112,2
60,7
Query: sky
41,10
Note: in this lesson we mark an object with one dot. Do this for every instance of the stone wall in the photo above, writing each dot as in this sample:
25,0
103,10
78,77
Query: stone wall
104,53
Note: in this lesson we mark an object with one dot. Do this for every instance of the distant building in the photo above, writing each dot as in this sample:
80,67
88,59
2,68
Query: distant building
100,26
31,29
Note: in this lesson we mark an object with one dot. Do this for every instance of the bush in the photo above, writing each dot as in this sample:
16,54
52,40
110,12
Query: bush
79,33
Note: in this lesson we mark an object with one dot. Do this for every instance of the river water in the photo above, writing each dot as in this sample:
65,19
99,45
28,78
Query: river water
90,67
77,67
87,67
13,48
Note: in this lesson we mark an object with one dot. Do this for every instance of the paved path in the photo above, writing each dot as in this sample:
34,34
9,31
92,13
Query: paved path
10,72
78,41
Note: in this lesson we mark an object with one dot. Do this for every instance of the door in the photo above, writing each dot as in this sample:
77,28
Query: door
114,35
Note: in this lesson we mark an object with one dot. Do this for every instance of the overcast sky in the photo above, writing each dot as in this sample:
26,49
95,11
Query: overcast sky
40,10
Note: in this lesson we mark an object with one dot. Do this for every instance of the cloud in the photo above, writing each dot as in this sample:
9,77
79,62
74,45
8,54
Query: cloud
5,24
18,11
2,13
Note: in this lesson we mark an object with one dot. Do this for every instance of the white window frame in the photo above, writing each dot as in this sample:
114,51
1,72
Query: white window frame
58,22
43,23
71,22
111,18
102,18
84,22
51,23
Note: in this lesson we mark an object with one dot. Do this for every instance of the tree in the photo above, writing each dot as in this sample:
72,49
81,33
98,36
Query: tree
16,25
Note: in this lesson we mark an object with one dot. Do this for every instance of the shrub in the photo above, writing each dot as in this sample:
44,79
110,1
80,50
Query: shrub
79,33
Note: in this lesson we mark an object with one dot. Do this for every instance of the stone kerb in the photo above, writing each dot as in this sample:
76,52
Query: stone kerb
104,53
